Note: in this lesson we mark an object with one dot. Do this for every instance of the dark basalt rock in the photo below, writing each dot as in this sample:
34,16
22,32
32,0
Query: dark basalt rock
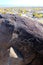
29,42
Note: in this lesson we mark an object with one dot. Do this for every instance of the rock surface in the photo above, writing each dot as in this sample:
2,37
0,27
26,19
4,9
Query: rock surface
26,38
10,58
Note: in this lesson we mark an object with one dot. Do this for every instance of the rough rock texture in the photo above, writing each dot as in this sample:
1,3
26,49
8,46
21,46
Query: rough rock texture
11,60
25,36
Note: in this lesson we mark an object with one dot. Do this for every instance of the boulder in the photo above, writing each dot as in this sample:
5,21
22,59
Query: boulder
24,35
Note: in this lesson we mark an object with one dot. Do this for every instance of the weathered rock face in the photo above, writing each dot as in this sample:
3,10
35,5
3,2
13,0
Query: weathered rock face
27,51
24,36
10,60
6,31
